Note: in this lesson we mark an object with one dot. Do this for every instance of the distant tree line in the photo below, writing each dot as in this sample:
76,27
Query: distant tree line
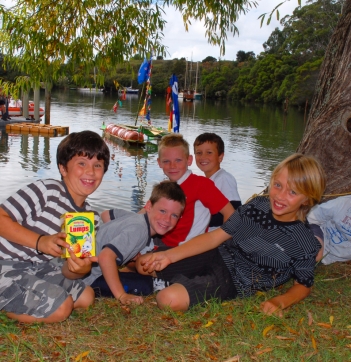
285,72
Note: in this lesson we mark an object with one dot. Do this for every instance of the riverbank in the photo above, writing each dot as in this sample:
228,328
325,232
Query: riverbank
317,329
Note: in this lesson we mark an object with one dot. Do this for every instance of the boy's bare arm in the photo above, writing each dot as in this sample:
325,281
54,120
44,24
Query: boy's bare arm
198,245
294,295
105,216
13,231
109,268
227,211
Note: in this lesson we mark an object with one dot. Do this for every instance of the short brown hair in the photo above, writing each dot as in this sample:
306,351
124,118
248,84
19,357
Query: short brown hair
211,138
84,143
306,176
173,140
169,190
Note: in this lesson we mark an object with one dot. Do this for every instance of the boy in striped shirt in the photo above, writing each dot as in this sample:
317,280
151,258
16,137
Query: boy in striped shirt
33,279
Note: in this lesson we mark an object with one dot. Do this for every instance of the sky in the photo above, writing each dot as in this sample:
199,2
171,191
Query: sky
193,45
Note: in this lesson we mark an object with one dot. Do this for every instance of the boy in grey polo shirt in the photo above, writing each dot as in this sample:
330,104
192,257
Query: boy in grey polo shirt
125,234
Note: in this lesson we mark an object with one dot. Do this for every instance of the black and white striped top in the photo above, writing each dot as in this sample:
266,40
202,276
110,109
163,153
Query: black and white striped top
38,207
265,253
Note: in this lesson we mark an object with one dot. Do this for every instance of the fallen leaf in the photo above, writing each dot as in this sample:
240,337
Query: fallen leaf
253,325
310,319
267,329
196,336
196,323
331,319
82,355
348,345
309,355
314,343
300,321
209,324
266,350
12,337
233,359
292,330
213,358
260,293
243,343
125,308
282,338
229,319
324,325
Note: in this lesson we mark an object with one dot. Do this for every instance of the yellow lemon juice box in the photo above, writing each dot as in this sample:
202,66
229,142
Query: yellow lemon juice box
79,227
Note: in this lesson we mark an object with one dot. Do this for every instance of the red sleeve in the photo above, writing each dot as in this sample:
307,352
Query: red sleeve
210,196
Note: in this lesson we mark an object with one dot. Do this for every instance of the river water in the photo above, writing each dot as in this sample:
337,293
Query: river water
256,138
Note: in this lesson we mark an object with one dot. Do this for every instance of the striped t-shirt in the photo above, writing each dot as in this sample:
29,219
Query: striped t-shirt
264,253
38,207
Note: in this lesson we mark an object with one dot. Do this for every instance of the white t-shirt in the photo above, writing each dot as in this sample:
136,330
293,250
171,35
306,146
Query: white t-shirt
226,183
334,218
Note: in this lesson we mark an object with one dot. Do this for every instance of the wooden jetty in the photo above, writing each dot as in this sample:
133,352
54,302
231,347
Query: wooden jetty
37,129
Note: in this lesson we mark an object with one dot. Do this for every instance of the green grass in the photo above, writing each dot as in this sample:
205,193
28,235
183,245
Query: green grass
317,329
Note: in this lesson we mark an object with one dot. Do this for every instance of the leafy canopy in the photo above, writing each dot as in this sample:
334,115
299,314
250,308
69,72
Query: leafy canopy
40,35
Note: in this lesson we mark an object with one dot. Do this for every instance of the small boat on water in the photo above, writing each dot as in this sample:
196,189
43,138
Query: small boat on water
91,90
142,131
198,96
131,90
15,109
188,95
133,134
128,90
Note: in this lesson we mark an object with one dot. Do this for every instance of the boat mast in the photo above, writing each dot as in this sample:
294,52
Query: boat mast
186,73
197,69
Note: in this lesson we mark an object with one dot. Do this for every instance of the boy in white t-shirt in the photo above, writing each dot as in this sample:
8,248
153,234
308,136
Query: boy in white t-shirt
209,153
331,224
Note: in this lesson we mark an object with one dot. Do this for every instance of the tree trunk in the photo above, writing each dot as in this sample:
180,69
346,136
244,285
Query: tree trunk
48,87
327,135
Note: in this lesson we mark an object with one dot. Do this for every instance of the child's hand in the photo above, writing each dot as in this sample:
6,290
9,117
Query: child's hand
127,299
272,306
151,262
78,265
53,244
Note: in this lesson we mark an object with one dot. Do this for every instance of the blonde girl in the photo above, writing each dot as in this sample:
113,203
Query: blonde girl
264,244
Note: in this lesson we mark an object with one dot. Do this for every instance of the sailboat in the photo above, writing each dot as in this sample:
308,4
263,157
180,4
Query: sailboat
188,92
142,131
92,88
197,95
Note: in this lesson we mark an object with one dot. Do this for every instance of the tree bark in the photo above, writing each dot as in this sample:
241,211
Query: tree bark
48,88
328,131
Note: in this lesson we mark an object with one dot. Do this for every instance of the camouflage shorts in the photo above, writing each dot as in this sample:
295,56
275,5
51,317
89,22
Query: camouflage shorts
36,289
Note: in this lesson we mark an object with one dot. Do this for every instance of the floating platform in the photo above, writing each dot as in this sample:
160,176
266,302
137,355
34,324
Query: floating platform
37,129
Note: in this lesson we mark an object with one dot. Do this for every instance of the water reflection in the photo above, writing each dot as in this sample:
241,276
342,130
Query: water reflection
34,152
139,171
4,146
256,138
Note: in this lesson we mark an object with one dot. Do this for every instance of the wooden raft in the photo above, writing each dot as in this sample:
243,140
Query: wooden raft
40,129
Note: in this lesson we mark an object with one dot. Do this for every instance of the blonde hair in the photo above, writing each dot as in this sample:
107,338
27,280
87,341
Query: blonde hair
173,140
305,176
